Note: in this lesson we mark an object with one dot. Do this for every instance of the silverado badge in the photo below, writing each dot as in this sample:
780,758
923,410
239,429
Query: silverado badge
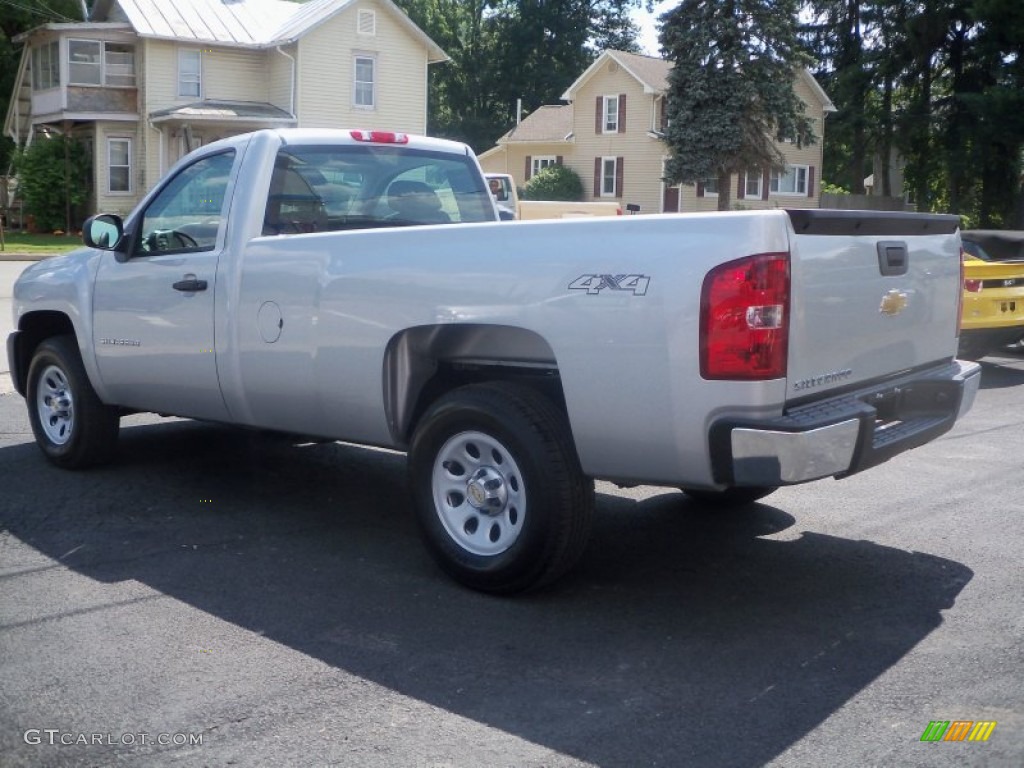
893,303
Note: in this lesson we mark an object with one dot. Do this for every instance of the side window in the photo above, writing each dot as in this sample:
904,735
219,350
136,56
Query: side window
186,215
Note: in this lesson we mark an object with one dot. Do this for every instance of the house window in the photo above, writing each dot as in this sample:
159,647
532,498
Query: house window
609,168
710,186
190,73
366,23
93,62
118,64
611,114
119,165
791,181
539,162
85,63
753,184
363,89
46,66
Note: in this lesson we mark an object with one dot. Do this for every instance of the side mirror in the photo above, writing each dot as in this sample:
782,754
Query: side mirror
104,231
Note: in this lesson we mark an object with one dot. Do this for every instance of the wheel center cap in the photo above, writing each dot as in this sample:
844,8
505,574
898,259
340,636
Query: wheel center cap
486,490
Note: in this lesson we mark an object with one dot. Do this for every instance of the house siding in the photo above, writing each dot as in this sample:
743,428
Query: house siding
117,202
643,155
279,77
325,98
640,153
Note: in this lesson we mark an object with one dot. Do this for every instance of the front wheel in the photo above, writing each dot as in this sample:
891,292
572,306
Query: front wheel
729,497
71,426
500,497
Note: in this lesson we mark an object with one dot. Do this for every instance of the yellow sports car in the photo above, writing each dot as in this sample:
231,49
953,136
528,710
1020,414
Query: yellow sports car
993,312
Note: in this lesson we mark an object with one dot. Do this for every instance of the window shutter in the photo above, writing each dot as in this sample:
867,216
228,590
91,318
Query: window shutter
700,189
622,113
741,186
618,175
558,159
599,114
766,182
810,181
661,115
529,167
597,177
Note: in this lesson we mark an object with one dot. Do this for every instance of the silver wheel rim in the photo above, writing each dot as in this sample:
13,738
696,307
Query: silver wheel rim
55,405
479,493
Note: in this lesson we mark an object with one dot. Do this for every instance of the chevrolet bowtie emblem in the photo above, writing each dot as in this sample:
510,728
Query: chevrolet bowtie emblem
893,303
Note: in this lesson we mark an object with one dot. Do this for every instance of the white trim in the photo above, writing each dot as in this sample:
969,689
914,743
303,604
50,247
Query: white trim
606,100
372,58
370,27
747,194
776,177
615,173
131,166
183,51
535,163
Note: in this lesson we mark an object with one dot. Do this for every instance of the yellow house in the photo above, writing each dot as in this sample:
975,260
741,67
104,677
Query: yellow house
142,83
609,132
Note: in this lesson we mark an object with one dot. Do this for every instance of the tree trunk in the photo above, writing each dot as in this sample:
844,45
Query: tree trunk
724,191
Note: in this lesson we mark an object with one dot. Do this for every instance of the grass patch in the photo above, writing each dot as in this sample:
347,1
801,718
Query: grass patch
19,242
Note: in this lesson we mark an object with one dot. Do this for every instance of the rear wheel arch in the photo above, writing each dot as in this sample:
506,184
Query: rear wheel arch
424,363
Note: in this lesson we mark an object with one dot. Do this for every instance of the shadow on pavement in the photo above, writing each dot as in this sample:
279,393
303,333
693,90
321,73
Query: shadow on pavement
683,632
996,374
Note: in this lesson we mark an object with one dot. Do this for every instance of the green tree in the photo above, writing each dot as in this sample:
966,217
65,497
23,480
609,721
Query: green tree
505,50
731,88
18,17
556,182
53,180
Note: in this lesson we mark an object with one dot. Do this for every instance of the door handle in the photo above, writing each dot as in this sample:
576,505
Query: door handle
893,258
190,284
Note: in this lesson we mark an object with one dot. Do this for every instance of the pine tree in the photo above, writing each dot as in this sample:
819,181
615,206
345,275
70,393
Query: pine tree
730,89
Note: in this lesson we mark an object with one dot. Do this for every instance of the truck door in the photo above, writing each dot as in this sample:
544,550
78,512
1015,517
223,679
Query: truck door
153,320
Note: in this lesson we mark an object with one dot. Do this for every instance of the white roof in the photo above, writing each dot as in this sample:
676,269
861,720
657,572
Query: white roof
241,22
248,23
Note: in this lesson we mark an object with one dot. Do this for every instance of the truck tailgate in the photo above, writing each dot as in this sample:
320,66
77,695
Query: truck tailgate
873,294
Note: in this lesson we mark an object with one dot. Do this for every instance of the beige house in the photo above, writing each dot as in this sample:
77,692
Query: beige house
610,134
141,83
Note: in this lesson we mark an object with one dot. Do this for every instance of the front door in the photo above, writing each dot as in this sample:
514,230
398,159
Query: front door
153,313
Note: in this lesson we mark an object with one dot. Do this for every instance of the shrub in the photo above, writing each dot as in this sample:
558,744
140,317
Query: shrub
556,182
42,184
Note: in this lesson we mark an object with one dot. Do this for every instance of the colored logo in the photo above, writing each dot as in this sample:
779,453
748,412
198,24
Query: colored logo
958,730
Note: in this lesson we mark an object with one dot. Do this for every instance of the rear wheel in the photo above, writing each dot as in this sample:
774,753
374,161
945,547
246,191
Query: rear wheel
71,426
500,497
730,497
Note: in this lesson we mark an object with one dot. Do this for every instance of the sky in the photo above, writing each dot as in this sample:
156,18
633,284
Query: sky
648,26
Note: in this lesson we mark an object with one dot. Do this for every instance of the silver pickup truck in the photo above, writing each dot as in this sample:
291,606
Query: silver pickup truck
315,283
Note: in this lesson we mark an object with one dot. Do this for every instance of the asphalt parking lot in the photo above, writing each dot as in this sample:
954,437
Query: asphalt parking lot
273,604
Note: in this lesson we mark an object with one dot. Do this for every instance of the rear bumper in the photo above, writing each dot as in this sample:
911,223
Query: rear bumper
842,435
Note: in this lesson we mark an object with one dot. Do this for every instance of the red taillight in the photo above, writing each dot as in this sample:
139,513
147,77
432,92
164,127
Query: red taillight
960,294
380,137
744,319
972,286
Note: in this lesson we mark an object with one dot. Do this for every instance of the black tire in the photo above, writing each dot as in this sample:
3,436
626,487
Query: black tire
71,426
974,349
519,515
729,497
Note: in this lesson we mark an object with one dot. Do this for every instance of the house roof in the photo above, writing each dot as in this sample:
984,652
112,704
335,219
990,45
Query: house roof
652,73
246,23
229,111
549,124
